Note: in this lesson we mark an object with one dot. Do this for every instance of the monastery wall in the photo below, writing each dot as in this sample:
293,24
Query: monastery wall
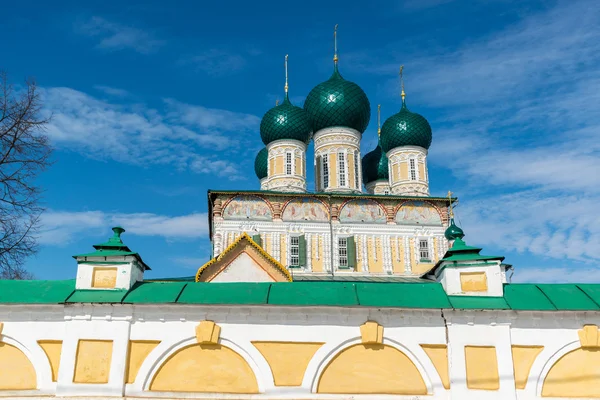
265,352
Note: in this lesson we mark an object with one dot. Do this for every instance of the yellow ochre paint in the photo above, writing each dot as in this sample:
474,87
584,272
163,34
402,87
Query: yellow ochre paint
576,374
92,362
52,348
16,371
104,278
473,282
138,351
523,358
438,354
287,360
482,368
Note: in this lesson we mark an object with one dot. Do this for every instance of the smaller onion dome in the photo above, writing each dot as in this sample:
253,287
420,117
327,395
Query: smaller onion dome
453,232
338,102
375,163
405,129
285,121
261,164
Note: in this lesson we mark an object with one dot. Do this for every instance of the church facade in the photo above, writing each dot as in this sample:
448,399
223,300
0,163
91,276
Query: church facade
362,287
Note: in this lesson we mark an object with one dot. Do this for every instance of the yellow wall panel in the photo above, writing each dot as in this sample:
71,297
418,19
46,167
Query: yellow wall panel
92,362
576,374
523,358
397,259
138,351
205,368
282,249
438,354
287,360
371,369
333,178
52,348
404,170
317,265
350,166
374,248
482,368
105,278
473,282
421,171
279,164
16,371
271,166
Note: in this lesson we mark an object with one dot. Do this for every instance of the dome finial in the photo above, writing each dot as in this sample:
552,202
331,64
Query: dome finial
402,94
286,76
335,53
451,210
276,102
378,119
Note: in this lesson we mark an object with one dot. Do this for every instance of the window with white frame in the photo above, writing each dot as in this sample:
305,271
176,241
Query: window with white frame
413,170
342,169
325,169
294,251
343,252
288,163
356,168
386,192
423,249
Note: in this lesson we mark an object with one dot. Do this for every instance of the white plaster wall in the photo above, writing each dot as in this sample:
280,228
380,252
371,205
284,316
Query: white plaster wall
243,269
174,326
128,273
450,279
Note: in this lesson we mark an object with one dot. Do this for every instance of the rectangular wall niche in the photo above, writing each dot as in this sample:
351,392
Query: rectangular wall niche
104,278
482,368
473,282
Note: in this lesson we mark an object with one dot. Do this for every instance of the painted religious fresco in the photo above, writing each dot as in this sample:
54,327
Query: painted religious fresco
363,210
247,207
418,212
305,209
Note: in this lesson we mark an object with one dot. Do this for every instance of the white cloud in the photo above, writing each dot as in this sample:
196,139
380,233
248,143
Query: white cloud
111,91
557,275
114,36
190,262
61,227
135,134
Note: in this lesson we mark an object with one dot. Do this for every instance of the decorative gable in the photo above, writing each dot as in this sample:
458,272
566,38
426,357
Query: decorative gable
243,261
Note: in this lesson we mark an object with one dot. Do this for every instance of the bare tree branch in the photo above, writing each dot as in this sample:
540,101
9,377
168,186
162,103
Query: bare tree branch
24,153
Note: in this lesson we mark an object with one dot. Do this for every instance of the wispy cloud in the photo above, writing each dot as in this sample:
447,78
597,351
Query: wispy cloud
111,91
557,275
216,62
136,134
114,36
61,227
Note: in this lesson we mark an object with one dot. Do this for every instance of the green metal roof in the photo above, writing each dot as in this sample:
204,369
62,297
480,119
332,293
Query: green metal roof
285,121
338,102
405,129
519,297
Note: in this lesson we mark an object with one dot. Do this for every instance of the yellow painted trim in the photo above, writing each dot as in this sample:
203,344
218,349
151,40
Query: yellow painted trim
589,337
287,360
93,361
438,354
16,370
575,375
523,358
482,368
252,243
104,277
473,282
207,332
137,352
371,333
52,348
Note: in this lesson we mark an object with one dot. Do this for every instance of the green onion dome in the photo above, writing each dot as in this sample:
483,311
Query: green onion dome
338,102
375,166
453,232
261,163
285,121
405,129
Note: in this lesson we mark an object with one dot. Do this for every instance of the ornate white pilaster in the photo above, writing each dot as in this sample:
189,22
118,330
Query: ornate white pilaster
387,254
378,187
407,253
408,171
365,253
308,238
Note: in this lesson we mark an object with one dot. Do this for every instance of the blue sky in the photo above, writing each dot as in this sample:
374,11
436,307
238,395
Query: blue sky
153,105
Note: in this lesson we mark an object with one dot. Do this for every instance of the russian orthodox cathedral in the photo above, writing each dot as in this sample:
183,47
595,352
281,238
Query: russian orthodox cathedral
359,287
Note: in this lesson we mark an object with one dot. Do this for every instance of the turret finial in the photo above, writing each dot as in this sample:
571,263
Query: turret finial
378,119
451,210
276,102
402,94
286,75
335,51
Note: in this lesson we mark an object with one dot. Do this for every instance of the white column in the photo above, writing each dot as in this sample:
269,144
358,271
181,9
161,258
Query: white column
308,238
365,253
407,253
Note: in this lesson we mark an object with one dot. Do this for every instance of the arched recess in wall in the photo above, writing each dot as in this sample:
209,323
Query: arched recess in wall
16,371
371,369
417,212
246,207
363,211
305,209
575,374
205,368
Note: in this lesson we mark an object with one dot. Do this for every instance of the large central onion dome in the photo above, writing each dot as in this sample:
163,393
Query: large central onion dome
375,166
285,121
338,102
405,129
261,164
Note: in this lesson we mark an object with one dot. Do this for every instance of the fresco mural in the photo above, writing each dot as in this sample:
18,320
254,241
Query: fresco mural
418,212
247,207
305,209
362,210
